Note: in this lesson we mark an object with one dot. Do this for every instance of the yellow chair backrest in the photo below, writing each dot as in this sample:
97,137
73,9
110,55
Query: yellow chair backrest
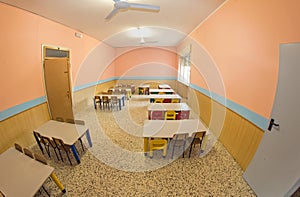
158,100
170,115
175,100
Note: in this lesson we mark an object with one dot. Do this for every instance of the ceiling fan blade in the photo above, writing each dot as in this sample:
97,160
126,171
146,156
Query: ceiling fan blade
144,6
112,13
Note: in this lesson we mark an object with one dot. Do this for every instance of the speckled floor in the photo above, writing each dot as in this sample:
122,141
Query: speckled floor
116,165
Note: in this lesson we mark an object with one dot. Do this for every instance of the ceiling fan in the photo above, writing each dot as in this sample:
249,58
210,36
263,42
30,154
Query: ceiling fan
122,5
142,40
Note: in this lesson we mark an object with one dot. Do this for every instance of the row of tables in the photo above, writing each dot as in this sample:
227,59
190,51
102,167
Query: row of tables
167,128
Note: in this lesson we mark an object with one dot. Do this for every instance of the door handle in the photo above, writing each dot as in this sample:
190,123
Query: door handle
272,123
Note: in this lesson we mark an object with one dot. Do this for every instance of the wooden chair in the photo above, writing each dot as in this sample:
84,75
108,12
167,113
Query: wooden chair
97,100
62,146
105,101
114,102
198,138
109,91
179,140
158,144
47,144
170,115
28,152
60,119
38,137
18,147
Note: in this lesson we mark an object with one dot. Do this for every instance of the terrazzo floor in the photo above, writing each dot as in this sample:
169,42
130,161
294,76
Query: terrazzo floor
116,166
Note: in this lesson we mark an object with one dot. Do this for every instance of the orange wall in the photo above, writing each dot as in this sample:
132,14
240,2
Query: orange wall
243,40
146,61
22,35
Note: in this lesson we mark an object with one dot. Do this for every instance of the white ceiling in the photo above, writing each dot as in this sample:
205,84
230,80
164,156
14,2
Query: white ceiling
172,23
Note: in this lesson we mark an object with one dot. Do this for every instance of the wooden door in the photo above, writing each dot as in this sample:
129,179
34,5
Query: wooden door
58,87
275,168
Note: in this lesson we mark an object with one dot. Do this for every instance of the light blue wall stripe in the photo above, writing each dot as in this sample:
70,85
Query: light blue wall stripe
253,117
27,105
22,107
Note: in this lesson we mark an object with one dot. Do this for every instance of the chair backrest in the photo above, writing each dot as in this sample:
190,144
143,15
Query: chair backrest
167,100
157,100
170,115
105,99
157,115
97,98
80,122
40,158
59,143
18,147
114,99
60,119
175,100
48,141
199,135
72,121
180,136
28,152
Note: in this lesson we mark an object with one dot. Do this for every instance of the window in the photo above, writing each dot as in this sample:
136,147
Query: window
184,68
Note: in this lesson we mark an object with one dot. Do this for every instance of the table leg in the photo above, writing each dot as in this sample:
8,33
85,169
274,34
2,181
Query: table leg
75,153
123,100
120,105
146,145
203,146
88,137
57,182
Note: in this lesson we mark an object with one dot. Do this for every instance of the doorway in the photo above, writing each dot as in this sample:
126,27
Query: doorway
57,80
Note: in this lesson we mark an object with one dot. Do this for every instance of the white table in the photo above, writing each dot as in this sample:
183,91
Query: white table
168,106
182,109
159,91
164,86
69,133
167,128
21,175
164,96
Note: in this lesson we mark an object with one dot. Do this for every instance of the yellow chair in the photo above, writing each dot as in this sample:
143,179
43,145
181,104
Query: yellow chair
158,100
170,115
175,100
158,144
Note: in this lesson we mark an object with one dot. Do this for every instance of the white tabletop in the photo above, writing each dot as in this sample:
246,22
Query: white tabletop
164,86
20,174
165,96
144,86
68,132
167,128
168,106
127,89
162,90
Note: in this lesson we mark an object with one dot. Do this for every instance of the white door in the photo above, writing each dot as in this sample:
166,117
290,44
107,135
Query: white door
275,168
